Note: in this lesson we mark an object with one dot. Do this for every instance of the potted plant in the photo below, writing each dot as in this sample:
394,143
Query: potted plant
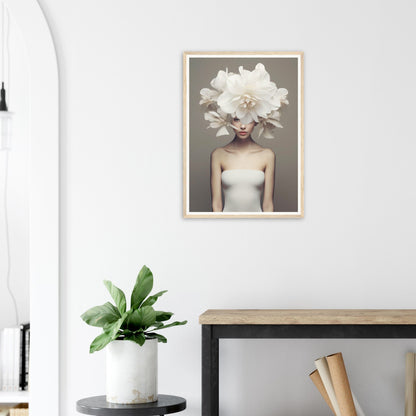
131,340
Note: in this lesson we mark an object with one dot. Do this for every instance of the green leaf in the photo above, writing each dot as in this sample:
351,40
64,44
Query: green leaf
163,316
157,325
118,296
105,338
101,315
143,286
138,338
151,300
100,342
131,321
108,326
141,318
160,338
126,333
172,324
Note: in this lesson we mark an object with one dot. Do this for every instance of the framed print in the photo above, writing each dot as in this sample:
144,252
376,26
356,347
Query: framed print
243,135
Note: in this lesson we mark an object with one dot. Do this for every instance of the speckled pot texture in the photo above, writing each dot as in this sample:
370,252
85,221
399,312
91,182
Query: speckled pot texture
131,372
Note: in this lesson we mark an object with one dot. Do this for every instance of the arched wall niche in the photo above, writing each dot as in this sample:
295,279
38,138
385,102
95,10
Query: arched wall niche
43,206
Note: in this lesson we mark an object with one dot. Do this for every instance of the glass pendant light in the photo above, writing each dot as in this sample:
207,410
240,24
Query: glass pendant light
5,122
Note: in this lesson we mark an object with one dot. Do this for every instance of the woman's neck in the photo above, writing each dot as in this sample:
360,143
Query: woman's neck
242,143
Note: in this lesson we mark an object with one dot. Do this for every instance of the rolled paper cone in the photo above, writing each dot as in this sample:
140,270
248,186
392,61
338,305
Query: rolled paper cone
323,370
357,406
410,403
316,379
341,384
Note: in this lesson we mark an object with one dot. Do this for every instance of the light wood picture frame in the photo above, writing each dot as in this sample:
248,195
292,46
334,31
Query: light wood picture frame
225,176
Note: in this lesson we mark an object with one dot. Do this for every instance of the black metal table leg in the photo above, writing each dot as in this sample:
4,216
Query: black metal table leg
210,375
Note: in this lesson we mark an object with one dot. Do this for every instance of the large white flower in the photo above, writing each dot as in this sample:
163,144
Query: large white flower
250,95
218,120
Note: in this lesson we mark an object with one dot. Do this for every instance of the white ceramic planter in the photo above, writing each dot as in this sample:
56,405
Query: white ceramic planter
131,372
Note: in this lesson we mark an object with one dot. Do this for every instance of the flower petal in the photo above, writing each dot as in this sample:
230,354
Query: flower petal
220,81
222,132
274,122
246,119
268,134
241,112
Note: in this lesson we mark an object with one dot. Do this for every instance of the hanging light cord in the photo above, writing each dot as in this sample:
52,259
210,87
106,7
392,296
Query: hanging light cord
6,229
5,39
2,40
9,87
5,47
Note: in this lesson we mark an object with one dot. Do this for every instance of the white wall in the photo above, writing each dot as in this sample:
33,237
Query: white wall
121,192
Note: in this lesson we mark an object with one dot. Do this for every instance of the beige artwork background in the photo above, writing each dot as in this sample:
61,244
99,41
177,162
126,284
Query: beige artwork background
203,140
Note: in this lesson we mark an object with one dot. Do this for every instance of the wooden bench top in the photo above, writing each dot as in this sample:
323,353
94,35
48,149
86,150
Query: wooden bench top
308,317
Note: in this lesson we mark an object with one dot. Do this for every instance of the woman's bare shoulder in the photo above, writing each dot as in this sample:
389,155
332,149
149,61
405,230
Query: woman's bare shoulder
268,153
218,153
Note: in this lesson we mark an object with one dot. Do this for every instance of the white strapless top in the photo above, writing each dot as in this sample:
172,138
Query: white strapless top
242,190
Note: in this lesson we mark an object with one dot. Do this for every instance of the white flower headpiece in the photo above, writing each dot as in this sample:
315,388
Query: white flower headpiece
249,96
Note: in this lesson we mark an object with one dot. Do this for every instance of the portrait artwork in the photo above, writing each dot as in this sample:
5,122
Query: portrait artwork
243,135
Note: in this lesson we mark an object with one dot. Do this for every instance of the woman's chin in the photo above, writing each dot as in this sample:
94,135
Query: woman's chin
243,136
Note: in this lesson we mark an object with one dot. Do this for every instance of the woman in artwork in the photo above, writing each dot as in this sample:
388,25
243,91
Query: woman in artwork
242,170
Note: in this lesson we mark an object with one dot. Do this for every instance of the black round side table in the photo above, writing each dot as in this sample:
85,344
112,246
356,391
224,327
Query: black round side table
98,405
